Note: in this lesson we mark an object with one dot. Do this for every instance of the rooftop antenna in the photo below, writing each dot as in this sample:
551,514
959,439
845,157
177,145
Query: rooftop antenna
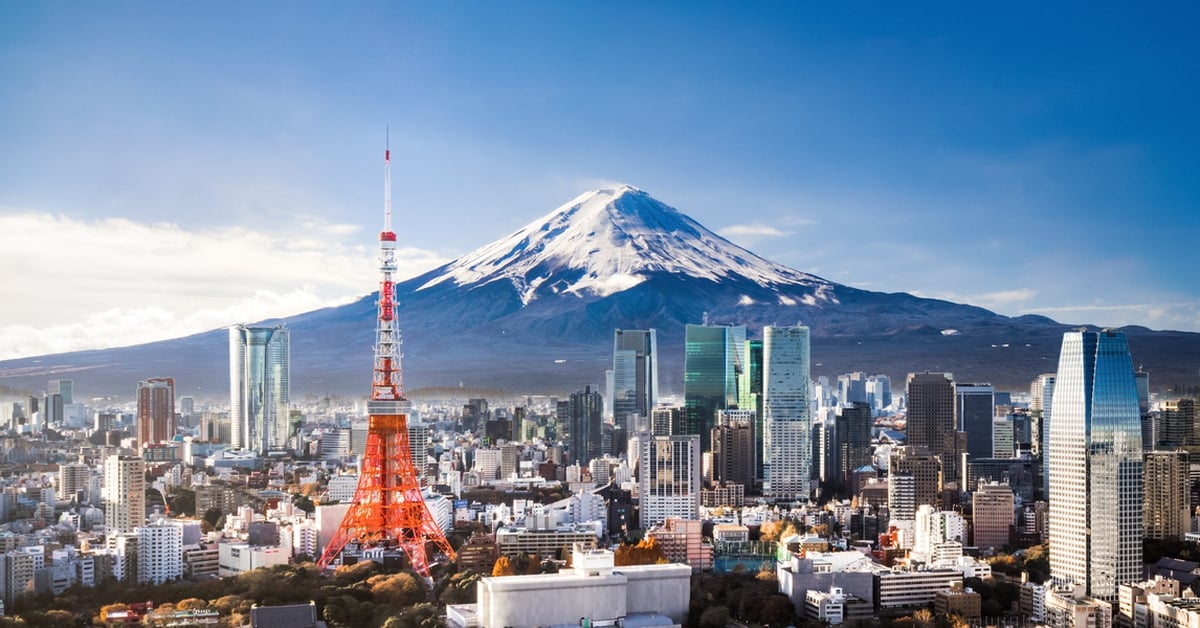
387,178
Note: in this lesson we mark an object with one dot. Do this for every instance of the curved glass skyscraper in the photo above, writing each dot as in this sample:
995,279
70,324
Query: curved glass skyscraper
259,362
1095,454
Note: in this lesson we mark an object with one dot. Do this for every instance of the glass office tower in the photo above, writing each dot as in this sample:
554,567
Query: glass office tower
1095,465
787,414
711,364
259,386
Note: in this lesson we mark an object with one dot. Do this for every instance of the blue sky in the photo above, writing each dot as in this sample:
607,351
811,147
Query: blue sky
172,167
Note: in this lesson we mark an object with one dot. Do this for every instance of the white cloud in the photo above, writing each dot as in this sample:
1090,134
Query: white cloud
71,284
755,230
750,234
1179,315
1004,297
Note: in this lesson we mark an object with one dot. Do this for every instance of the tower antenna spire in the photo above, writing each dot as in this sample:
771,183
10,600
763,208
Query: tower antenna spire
388,507
387,179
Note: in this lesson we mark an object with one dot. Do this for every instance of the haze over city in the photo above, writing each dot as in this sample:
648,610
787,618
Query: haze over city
171,169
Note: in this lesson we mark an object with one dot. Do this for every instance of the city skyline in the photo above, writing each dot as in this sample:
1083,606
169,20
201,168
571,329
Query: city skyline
957,165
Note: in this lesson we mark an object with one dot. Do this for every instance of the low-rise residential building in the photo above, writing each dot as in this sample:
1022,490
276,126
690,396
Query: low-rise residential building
682,541
958,600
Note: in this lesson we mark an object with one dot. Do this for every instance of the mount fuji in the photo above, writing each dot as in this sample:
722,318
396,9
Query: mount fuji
535,312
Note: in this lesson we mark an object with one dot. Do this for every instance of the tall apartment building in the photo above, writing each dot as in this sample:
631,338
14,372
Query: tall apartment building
669,478
914,479
1096,491
664,419
155,411
1176,424
124,493
1166,495
259,387
733,447
787,413
160,552
73,478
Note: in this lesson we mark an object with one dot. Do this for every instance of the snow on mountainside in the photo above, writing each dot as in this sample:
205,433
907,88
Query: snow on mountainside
608,241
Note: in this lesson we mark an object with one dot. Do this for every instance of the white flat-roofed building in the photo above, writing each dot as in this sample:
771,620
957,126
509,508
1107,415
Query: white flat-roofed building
235,558
906,590
545,543
594,591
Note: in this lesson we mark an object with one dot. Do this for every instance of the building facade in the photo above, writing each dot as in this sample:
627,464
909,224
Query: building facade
259,387
635,376
711,362
669,478
1096,492
932,418
787,414
124,493
155,411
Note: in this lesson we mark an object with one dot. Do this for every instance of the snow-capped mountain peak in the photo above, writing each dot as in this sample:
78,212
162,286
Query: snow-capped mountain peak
610,240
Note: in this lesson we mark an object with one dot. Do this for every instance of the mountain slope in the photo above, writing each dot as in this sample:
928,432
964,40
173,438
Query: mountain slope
535,312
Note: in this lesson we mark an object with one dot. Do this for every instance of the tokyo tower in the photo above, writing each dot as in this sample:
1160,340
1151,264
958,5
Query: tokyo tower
388,509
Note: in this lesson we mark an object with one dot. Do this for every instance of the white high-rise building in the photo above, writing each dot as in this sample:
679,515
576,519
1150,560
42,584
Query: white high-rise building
786,413
160,552
1095,451
124,493
669,478
259,385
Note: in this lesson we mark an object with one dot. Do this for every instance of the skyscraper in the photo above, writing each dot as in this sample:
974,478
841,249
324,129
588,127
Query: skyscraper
976,408
155,411
1176,424
124,493
669,478
1166,495
585,415
711,363
1041,393
1095,466
932,419
854,437
750,397
635,375
733,447
787,414
259,385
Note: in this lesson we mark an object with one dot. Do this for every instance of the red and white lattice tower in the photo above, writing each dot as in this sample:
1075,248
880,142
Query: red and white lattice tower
388,509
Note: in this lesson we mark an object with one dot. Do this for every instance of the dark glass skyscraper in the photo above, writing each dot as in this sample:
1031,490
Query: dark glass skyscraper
711,363
932,419
585,413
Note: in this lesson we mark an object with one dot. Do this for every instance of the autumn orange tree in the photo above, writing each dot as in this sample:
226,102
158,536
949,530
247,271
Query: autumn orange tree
502,567
646,552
